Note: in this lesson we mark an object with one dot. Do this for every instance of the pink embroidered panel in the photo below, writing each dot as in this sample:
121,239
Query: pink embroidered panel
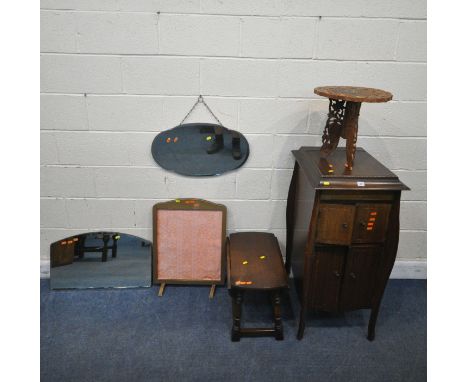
189,244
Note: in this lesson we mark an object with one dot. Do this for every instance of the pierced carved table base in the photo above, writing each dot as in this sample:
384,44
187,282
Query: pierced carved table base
343,115
342,122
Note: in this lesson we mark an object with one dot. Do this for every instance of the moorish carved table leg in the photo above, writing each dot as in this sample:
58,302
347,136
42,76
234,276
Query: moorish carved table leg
342,122
333,127
351,131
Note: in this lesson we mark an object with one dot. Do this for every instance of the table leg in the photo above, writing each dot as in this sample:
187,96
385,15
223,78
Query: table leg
218,142
235,144
105,240
333,127
237,299
351,131
276,297
114,246
79,248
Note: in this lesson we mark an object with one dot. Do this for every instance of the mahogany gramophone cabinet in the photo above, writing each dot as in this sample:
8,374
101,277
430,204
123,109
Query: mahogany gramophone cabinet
342,216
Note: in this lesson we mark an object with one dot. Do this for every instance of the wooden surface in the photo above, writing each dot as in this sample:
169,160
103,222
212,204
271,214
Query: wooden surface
366,168
256,261
342,238
354,93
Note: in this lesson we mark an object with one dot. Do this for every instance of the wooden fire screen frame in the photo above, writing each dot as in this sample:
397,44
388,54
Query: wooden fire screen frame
178,228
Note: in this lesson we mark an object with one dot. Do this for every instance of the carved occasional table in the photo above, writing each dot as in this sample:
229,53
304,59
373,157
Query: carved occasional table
343,115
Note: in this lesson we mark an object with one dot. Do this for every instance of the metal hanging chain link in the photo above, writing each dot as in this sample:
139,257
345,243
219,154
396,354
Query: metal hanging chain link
201,100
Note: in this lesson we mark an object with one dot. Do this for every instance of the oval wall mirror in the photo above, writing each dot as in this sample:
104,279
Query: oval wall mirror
100,260
200,149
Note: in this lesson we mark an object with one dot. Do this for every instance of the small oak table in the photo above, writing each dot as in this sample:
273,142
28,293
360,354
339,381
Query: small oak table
343,115
255,264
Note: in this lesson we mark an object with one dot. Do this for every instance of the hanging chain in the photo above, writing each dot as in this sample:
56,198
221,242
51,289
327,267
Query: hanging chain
201,100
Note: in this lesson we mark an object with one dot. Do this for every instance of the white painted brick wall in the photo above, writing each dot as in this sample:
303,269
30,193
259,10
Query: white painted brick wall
160,75
357,39
117,33
199,35
274,37
114,73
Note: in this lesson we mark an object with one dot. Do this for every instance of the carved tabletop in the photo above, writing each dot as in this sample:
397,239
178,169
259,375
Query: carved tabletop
354,93
343,115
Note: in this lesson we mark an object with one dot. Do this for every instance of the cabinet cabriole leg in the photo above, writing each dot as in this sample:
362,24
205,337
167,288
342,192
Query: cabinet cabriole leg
300,332
372,323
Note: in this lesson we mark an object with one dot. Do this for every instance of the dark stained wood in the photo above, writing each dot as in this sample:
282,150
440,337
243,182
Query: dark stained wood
371,223
62,252
354,93
362,266
339,268
335,224
255,263
366,169
327,269
343,116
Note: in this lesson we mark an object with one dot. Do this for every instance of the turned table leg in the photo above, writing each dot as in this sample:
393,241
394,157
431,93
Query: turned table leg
105,240
276,300
237,298
114,246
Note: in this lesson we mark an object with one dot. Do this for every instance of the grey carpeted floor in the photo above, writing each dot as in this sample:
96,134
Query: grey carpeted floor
132,335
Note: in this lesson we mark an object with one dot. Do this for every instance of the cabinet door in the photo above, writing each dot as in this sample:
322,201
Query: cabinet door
335,224
326,272
361,271
371,222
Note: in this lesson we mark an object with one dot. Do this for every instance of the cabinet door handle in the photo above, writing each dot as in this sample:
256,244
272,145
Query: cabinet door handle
344,225
352,275
363,224
336,273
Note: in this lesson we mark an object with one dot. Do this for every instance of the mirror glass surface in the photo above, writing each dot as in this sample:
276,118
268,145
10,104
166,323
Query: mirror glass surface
194,149
100,260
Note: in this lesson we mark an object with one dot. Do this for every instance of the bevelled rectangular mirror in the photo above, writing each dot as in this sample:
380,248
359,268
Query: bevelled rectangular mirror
100,260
